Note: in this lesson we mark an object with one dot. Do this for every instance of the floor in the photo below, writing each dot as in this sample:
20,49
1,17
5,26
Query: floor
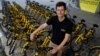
4,39
6,48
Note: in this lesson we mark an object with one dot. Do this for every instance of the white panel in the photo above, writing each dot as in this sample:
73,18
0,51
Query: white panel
20,2
0,5
48,2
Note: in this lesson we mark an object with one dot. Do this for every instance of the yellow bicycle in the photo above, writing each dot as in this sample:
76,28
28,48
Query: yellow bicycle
78,41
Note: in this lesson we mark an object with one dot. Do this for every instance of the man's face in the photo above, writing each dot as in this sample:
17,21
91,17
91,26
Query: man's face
60,11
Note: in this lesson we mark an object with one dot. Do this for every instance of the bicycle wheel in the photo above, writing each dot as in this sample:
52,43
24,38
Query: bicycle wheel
8,35
3,22
76,46
9,40
94,52
68,51
13,46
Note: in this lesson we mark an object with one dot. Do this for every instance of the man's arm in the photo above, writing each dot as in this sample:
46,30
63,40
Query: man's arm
65,40
37,30
40,28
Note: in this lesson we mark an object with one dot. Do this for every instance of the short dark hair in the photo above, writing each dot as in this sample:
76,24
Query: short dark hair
61,4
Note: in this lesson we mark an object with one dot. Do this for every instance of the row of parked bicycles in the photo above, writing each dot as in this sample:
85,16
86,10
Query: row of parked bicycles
20,23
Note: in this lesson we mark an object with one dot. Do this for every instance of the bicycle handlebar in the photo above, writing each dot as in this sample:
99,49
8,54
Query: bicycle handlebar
82,20
95,25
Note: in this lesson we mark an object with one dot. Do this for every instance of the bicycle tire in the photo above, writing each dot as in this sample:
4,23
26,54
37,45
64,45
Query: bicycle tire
76,46
9,40
12,48
3,22
94,52
8,35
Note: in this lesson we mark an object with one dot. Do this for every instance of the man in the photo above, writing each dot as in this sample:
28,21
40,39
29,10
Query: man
61,30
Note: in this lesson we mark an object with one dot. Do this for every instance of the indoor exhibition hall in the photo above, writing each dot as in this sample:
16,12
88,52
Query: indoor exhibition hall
49,27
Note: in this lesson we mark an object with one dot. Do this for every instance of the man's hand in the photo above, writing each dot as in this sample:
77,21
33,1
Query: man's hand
54,50
33,36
